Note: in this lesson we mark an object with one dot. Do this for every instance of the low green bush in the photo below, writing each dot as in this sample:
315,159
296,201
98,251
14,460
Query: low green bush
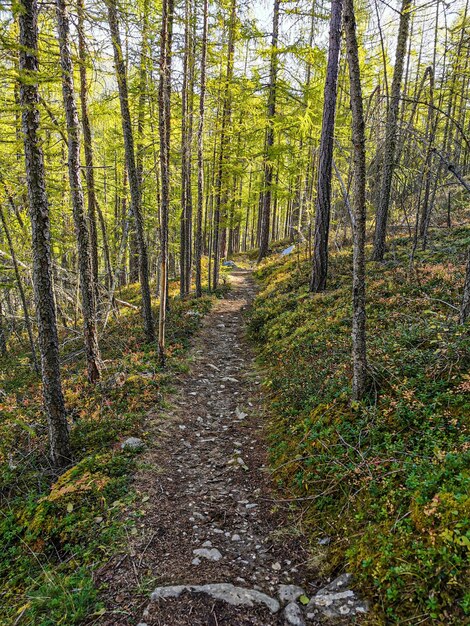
387,478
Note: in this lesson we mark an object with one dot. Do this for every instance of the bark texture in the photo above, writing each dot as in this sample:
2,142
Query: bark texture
87,288
359,206
136,198
268,159
391,135
41,238
200,156
322,215
465,307
220,195
164,91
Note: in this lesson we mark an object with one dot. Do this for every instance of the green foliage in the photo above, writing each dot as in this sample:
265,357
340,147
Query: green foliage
388,477
66,600
55,531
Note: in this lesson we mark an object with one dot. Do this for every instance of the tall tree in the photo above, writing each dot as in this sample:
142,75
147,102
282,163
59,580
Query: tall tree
268,157
391,135
322,215
41,236
136,196
359,206
186,141
164,92
220,192
78,206
200,153
465,306
19,283
87,142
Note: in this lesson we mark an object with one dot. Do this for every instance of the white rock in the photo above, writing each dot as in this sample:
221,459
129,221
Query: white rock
293,615
290,593
133,443
211,554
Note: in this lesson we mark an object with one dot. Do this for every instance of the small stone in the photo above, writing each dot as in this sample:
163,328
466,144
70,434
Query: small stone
324,541
236,537
290,593
196,561
293,615
276,566
207,544
211,554
133,443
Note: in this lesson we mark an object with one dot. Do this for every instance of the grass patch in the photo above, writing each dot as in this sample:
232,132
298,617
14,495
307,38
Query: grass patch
55,531
388,478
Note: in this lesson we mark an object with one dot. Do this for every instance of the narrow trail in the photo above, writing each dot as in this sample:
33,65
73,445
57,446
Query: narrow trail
207,498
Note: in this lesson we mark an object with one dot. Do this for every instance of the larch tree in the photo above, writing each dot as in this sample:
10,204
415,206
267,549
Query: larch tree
381,219
323,201
220,192
269,144
87,287
41,236
164,120
134,186
359,353
87,142
198,243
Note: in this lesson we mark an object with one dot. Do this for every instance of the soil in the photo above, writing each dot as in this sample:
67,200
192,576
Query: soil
204,478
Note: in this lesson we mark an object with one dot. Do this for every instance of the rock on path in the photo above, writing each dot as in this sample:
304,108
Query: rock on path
206,526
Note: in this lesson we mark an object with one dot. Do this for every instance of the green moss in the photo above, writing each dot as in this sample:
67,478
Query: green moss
387,477
55,531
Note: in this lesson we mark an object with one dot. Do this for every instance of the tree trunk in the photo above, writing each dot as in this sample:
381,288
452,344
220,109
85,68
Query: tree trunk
164,91
24,304
218,241
87,145
3,337
322,216
359,206
134,186
268,158
139,158
391,135
41,237
186,140
87,287
200,154
465,308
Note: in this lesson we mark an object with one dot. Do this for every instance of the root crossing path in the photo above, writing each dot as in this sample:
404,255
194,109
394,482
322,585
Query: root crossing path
212,545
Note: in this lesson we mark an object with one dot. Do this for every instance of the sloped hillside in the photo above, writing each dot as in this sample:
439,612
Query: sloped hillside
384,482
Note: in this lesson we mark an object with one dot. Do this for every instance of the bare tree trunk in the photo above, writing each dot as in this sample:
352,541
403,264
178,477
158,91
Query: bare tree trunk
322,216
200,154
269,143
218,241
359,207
24,304
391,135
134,186
139,158
164,92
186,141
41,237
87,287
465,307
3,337
87,144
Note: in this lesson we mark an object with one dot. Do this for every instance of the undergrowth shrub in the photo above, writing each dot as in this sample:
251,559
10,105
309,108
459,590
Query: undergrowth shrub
55,531
387,478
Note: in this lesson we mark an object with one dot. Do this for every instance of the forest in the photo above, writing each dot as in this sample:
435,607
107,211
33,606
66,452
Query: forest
234,312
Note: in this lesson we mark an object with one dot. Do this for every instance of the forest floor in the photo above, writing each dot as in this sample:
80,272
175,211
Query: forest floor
204,486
